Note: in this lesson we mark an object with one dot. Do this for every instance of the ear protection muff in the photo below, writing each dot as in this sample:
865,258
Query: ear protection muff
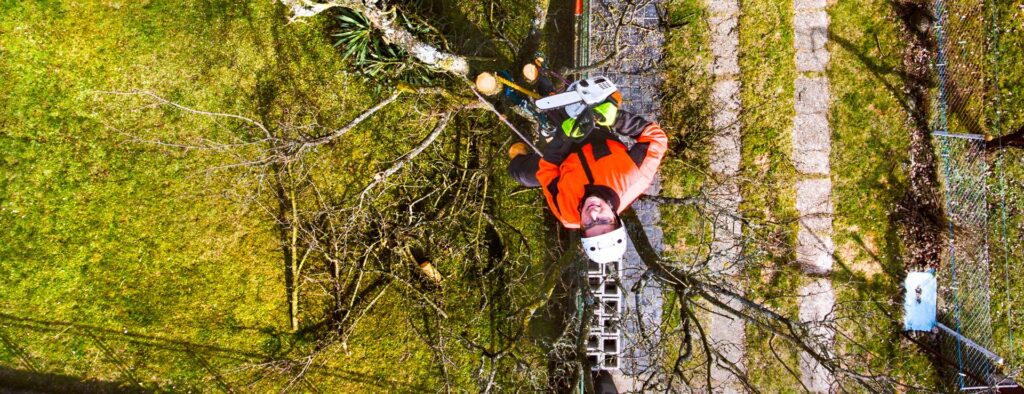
606,113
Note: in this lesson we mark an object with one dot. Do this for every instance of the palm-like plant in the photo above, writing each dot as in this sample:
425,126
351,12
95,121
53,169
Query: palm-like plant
372,56
356,34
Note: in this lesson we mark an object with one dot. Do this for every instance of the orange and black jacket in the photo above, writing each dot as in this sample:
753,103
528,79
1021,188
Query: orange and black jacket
602,166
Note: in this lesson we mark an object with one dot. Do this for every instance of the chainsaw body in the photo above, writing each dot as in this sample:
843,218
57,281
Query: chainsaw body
581,94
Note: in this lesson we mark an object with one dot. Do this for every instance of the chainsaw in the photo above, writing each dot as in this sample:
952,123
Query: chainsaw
581,94
579,99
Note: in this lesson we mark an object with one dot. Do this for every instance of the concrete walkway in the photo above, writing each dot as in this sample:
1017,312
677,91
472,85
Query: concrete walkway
811,148
726,333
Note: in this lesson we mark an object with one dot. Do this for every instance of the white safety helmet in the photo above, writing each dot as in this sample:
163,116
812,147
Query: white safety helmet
607,247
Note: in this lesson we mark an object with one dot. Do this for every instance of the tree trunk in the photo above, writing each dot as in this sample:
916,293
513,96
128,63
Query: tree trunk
384,21
293,288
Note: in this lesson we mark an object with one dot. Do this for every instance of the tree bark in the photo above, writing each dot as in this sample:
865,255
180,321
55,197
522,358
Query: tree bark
384,21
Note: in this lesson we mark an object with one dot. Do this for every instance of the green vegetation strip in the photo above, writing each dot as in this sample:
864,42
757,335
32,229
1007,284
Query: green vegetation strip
131,261
870,139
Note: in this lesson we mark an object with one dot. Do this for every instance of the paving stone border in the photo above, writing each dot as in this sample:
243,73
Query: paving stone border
726,333
812,145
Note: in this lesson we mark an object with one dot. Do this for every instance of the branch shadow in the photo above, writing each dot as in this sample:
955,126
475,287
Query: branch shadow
14,380
877,69
192,350
448,17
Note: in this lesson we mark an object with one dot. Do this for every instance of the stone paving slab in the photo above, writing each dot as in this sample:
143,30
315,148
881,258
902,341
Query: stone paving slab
725,247
810,30
815,248
816,310
726,333
814,252
634,70
813,196
810,34
812,61
809,5
814,163
732,347
725,118
723,260
811,130
823,308
724,162
812,140
725,42
812,95
725,96
817,223
723,7
812,143
725,158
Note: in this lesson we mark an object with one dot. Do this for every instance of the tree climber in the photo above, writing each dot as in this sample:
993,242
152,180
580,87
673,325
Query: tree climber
587,175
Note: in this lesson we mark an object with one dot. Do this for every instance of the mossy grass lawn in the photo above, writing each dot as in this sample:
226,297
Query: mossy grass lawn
131,262
870,140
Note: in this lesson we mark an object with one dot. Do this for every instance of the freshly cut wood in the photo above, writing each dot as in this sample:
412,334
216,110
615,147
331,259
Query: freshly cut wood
487,84
530,72
430,272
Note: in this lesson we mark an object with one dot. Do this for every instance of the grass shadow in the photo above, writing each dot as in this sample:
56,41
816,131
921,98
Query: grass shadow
192,350
877,69
14,380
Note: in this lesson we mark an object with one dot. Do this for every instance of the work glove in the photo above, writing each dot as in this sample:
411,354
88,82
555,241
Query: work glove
517,149
576,129
604,115
630,124
607,112
557,148
601,115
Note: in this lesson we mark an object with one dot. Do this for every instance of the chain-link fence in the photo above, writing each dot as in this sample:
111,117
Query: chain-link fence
967,65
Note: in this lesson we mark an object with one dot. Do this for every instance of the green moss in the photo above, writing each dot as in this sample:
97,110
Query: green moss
131,262
686,118
869,151
1006,188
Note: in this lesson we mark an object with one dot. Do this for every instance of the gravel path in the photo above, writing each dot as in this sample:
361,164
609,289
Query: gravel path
811,149
727,334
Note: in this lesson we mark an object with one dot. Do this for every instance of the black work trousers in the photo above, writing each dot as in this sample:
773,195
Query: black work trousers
523,169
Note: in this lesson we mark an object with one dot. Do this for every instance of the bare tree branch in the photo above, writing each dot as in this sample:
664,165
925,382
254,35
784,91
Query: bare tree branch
351,124
162,101
490,107
383,175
